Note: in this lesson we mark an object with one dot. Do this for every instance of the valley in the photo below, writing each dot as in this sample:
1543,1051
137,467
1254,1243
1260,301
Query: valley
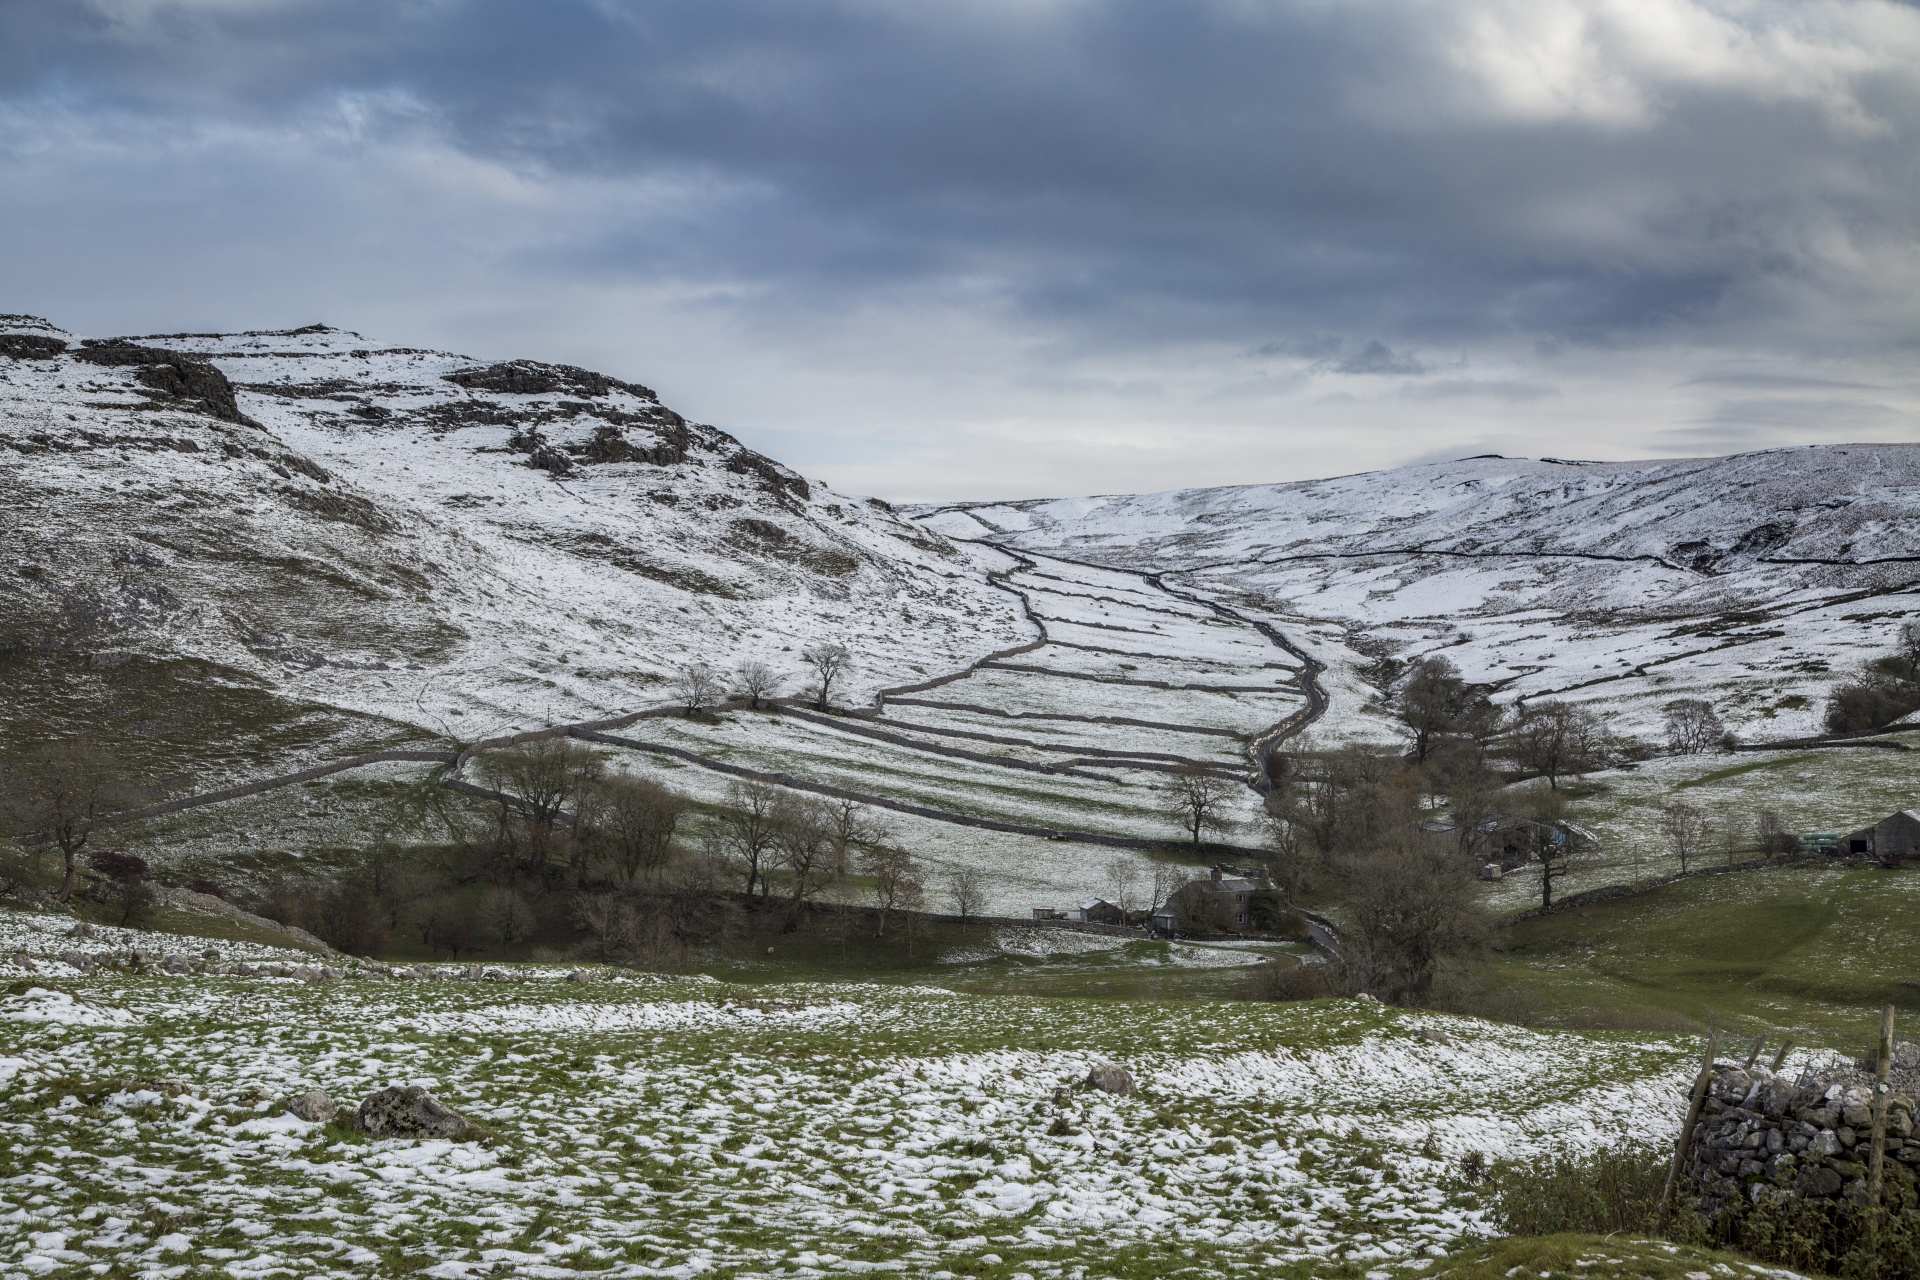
507,674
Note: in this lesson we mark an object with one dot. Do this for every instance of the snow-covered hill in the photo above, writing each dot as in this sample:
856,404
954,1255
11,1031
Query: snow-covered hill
338,543
1754,580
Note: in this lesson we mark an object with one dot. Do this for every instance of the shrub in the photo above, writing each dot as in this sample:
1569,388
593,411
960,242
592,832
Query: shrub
1299,982
1612,1189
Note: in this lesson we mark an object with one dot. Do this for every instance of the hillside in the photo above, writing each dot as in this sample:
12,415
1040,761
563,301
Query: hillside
231,552
1753,580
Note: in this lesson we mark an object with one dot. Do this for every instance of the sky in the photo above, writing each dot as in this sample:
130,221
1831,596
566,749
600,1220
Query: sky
1018,248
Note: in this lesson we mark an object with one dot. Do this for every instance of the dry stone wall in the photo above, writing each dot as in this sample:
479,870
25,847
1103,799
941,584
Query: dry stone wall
1808,1134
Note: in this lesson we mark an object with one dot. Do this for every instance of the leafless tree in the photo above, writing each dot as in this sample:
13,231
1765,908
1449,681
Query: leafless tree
697,687
1556,739
743,835
1197,800
1456,773
1434,704
828,662
506,914
1693,726
1411,905
638,819
894,876
1123,884
967,887
1771,836
1684,829
1168,880
855,826
1291,856
541,775
63,794
805,835
760,682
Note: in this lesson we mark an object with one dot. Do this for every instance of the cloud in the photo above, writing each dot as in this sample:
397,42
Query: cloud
905,240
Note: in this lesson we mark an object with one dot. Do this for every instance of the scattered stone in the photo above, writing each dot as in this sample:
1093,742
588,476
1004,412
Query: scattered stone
473,973
315,1106
21,960
1109,1078
408,1111
81,932
211,953
580,975
79,960
1433,1036
177,964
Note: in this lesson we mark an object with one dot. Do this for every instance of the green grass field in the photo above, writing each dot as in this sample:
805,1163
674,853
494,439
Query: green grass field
1808,952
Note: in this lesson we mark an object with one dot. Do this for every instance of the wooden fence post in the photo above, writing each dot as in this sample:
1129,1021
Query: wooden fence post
1780,1058
1753,1051
1883,1068
1700,1083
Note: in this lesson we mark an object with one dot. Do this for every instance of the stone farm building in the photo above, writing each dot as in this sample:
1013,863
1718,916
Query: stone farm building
1227,901
1894,838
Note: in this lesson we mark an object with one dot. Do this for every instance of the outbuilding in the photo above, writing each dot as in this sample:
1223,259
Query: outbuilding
1894,838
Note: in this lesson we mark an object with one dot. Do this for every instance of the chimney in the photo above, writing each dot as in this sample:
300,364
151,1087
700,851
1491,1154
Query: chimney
1216,875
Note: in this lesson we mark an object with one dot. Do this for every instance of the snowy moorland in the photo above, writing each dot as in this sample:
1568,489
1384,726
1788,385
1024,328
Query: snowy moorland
414,544
648,1127
1755,580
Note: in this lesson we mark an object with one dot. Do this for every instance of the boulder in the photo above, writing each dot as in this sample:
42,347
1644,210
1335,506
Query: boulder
79,960
81,932
580,975
21,960
1109,1078
177,964
211,953
408,1111
314,1105
1433,1036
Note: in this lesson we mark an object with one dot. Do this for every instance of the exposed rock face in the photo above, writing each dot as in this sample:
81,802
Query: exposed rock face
315,1105
408,1111
171,375
30,346
1109,1078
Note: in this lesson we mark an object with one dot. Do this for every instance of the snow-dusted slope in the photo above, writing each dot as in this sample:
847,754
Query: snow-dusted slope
1755,580
451,546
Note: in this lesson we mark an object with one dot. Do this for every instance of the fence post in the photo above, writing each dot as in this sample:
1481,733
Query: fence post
1753,1051
1700,1083
1780,1058
1883,1068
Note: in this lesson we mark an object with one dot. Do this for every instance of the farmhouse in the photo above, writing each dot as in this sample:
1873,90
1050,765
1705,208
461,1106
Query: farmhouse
1229,900
1891,839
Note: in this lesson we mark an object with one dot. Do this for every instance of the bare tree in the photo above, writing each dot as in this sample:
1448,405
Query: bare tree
855,826
639,818
506,914
760,682
541,776
1693,726
1685,830
63,794
828,662
1411,905
1771,836
896,884
1434,703
967,887
697,687
805,835
1123,884
1168,880
1556,739
744,833
1197,800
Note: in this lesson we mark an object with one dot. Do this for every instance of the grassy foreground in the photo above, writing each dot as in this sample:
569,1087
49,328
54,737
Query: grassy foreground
651,1126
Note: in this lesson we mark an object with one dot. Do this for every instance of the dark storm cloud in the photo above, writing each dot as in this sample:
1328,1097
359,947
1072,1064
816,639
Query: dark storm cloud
1368,190
1232,159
